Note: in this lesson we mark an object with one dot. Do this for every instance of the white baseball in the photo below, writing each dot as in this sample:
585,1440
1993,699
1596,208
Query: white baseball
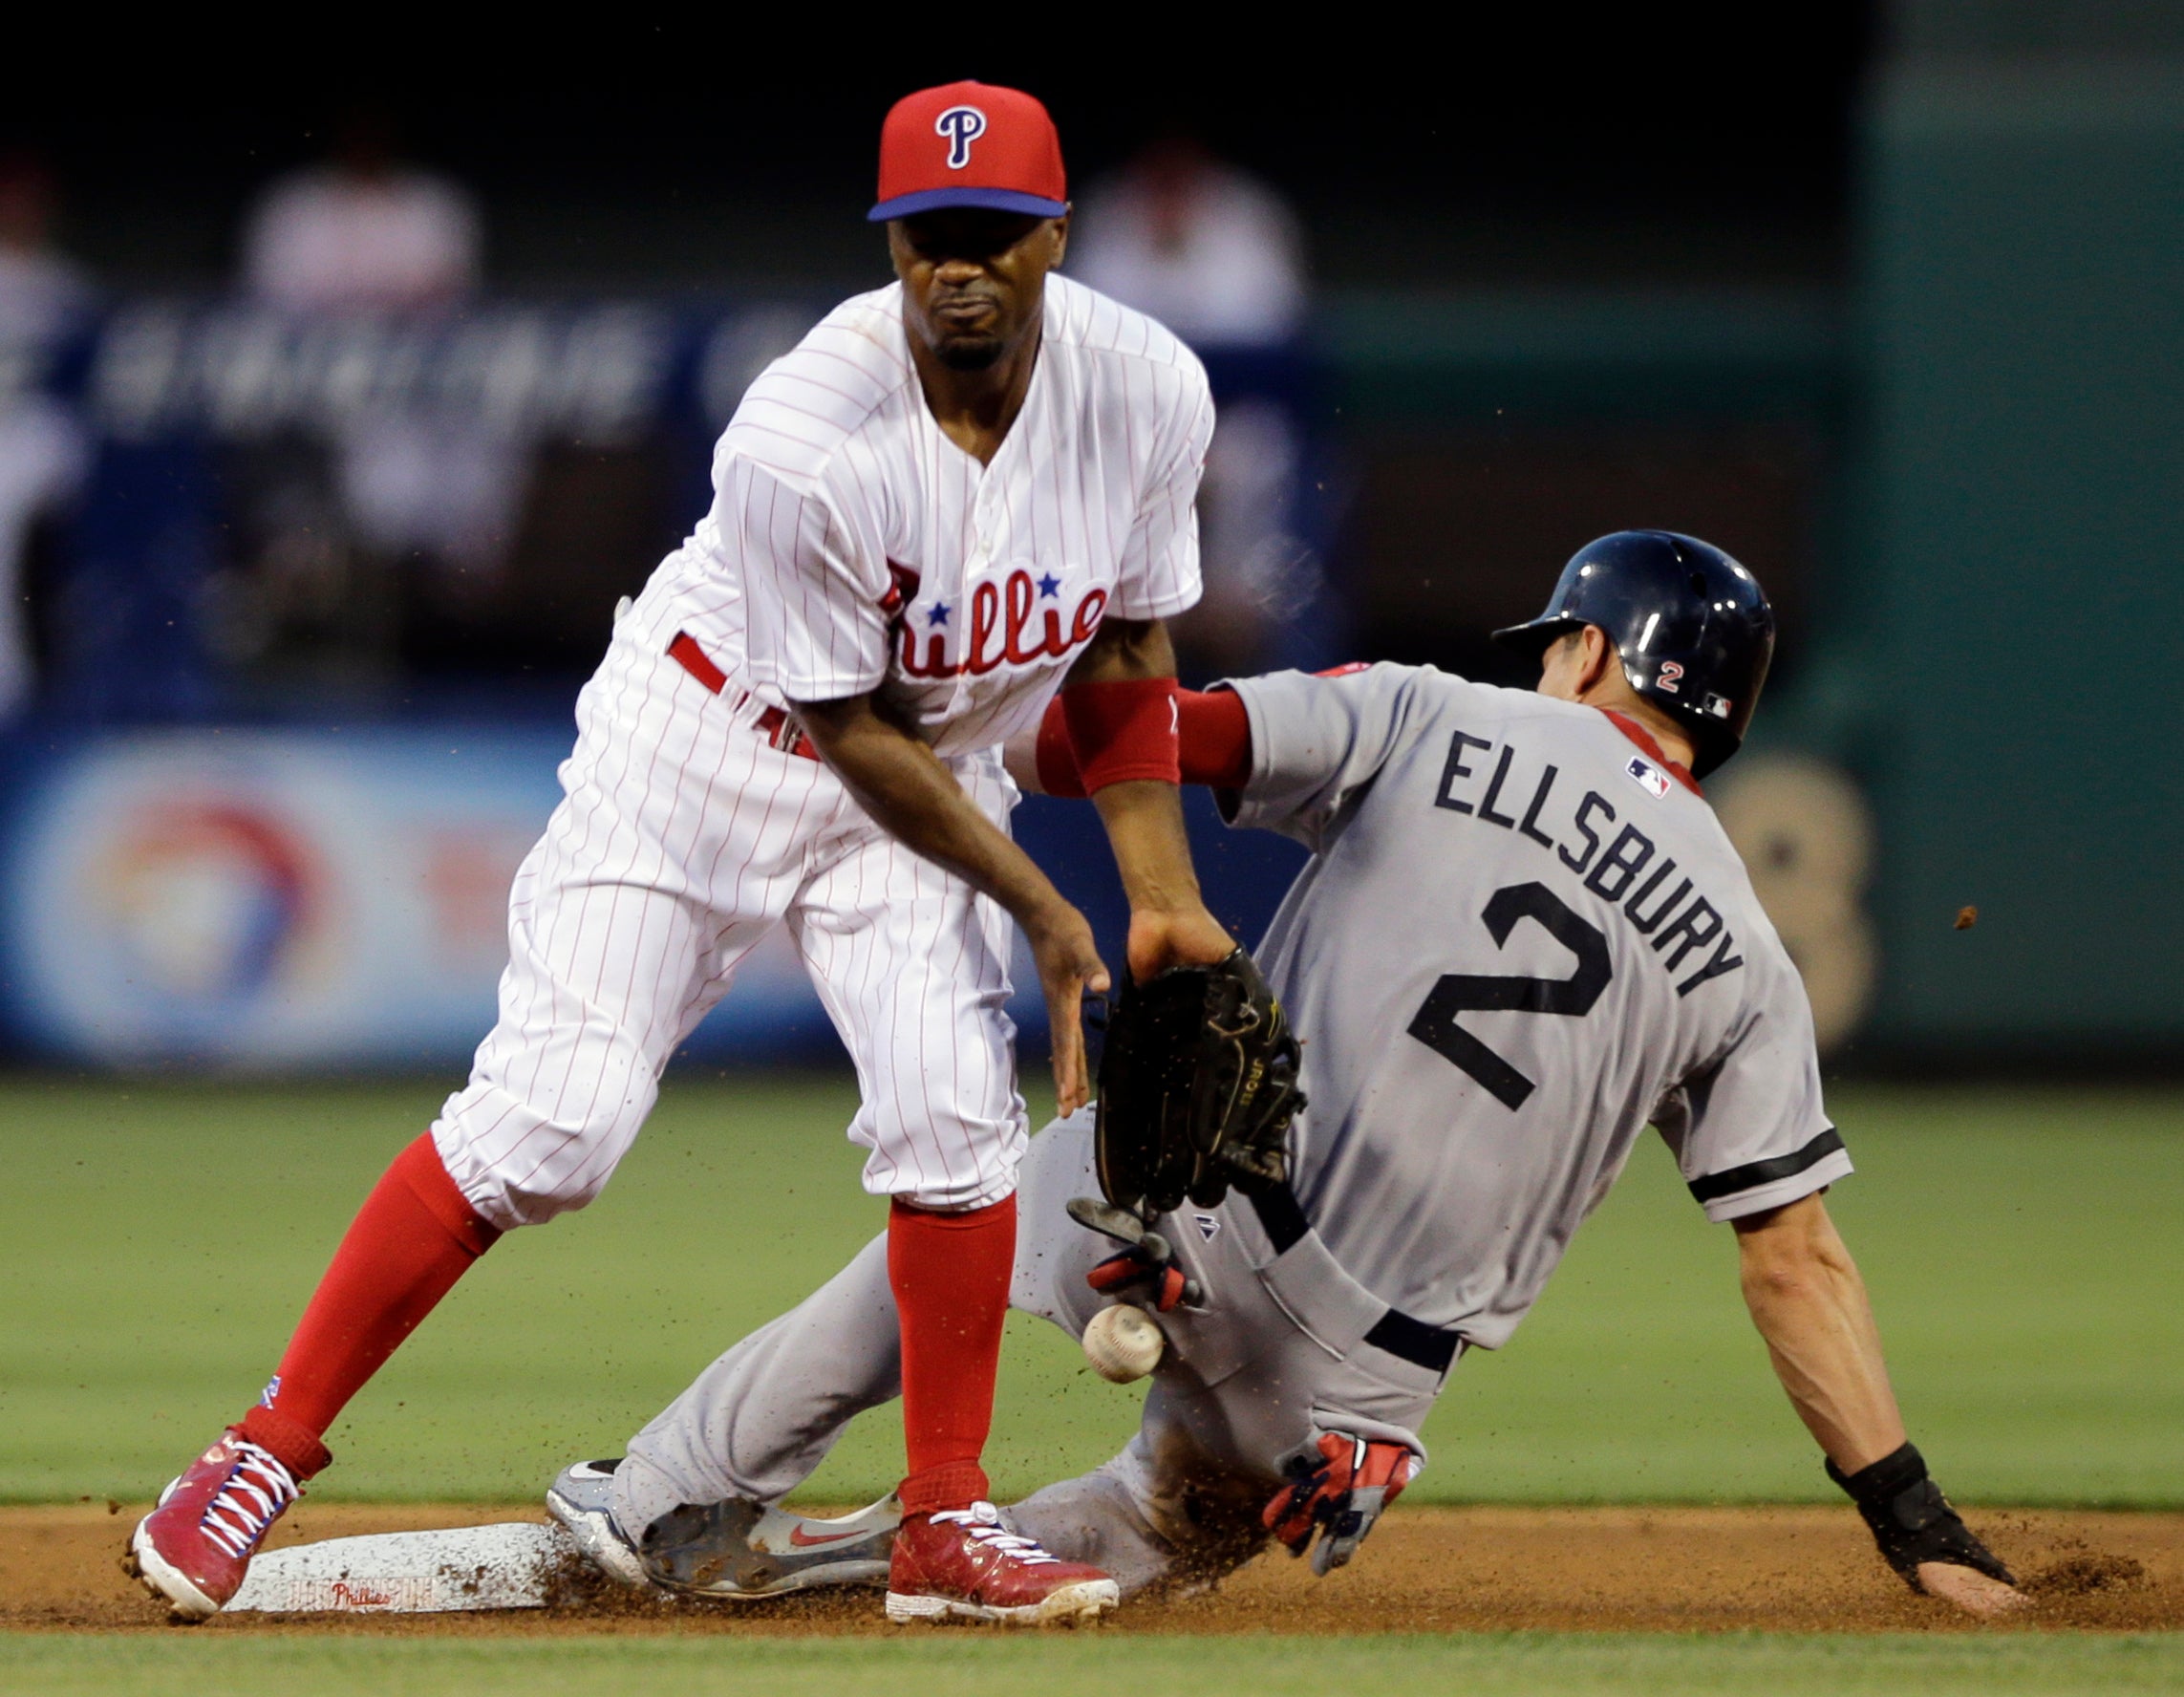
1123,1343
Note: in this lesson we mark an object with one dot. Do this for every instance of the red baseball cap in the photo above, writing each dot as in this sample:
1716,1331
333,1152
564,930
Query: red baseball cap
970,145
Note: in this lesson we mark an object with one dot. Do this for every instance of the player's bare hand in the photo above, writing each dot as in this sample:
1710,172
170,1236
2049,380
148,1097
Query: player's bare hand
1175,936
1971,1590
1069,966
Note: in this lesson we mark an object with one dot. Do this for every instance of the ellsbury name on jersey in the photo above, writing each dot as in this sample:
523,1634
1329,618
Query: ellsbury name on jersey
1681,925
1485,1039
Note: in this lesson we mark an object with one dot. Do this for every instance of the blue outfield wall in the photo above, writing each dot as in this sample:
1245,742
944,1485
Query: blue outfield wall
268,899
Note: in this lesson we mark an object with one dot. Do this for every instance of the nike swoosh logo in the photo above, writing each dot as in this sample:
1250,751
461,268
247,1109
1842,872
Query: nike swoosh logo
804,1540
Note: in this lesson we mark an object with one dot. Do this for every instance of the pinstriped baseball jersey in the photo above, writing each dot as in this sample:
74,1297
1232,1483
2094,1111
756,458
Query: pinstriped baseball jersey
1521,936
851,546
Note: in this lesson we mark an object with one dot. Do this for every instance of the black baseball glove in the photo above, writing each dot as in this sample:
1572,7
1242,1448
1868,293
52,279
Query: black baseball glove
1197,1089
1910,1520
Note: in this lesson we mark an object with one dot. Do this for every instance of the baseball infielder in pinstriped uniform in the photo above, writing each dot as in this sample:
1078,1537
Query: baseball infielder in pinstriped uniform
1522,936
956,495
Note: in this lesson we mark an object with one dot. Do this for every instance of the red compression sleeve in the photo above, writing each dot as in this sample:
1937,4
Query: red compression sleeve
413,1238
1123,729
1056,757
950,1273
1216,739
1213,743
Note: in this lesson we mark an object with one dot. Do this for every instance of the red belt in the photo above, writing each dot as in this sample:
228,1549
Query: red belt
773,724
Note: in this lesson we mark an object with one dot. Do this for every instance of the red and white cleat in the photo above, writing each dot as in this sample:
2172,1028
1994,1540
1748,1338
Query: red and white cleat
192,1550
963,1565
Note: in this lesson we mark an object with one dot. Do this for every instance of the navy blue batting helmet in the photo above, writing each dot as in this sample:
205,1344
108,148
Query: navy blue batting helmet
1692,626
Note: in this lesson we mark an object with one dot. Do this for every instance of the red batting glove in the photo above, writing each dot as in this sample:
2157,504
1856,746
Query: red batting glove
1356,1478
1134,1266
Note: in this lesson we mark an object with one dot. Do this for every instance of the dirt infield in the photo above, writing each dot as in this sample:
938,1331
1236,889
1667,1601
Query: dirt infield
1427,1569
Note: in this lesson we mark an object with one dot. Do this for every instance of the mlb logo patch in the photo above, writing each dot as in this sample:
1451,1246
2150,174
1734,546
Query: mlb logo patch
1647,776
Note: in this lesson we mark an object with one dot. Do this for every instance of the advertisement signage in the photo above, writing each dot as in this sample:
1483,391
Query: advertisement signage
267,899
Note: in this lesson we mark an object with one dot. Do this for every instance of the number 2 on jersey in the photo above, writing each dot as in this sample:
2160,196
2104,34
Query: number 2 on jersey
1458,993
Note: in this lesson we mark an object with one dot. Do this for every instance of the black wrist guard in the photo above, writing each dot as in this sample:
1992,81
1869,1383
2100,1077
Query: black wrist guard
1909,1518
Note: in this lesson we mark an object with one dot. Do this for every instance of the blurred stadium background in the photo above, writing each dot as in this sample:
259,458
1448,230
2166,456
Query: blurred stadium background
339,406
336,412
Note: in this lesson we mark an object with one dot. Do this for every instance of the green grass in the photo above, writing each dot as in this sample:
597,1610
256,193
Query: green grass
971,1665
2024,1251
157,1241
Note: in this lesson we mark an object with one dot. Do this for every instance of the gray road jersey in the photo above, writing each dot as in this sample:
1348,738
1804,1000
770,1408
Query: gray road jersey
1518,940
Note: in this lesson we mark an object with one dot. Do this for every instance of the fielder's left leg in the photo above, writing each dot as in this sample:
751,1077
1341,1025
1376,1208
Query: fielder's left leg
1236,1418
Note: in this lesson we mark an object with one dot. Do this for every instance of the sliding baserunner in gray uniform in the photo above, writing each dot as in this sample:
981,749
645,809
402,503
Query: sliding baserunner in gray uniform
1522,937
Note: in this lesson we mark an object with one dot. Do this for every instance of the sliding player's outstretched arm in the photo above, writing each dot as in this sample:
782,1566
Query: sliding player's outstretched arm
1810,1305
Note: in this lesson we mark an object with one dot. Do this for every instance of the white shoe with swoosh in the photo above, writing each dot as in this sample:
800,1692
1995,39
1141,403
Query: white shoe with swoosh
736,1550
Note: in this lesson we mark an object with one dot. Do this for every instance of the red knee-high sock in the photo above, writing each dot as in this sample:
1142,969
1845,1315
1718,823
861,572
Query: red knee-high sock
951,1278
413,1238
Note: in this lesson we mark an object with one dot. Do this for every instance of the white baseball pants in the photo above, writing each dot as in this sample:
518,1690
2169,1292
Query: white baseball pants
683,837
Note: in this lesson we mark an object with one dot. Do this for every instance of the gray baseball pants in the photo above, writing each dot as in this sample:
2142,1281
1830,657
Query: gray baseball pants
1272,1356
